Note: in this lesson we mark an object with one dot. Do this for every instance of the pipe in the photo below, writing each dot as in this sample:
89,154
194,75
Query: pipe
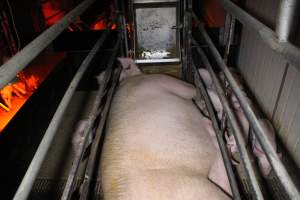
124,28
289,51
285,17
230,37
236,128
68,190
36,163
270,152
95,146
18,62
223,148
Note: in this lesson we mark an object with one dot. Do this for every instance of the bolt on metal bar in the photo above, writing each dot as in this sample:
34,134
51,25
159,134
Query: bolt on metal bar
18,62
265,143
36,163
68,190
285,17
236,128
289,51
96,142
226,159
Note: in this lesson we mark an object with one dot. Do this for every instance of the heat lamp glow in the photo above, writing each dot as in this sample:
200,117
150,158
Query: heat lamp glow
15,95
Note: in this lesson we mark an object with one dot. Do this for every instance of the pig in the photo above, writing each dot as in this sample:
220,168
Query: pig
263,163
157,145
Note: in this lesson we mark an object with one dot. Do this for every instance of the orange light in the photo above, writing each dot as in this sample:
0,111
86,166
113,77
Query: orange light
16,94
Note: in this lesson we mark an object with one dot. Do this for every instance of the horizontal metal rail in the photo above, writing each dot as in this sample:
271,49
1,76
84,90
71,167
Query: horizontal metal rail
265,143
289,51
237,132
18,62
68,190
226,159
36,163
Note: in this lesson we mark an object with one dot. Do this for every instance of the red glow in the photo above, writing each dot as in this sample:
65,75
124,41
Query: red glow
103,24
52,14
16,94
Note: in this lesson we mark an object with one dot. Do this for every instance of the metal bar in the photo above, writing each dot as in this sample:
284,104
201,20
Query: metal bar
265,143
124,27
230,37
227,162
236,128
68,190
289,51
285,17
96,142
31,174
18,62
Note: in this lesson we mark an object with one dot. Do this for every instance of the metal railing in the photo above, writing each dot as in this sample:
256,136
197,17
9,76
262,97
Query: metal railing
224,152
289,51
9,70
270,152
36,163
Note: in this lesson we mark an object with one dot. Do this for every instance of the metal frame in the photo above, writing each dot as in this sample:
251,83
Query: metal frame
271,154
285,17
156,4
69,187
289,51
36,163
237,132
224,152
18,62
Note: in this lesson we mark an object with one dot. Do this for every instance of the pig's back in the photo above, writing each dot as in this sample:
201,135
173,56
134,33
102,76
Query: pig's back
152,128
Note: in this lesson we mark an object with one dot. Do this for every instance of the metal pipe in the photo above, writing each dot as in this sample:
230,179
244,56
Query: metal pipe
285,17
230,37
18,62
265,143
68,190
289,51
124,28
227,162
36,163
236,128
95,146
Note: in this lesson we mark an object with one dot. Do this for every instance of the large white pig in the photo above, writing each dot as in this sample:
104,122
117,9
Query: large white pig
158,146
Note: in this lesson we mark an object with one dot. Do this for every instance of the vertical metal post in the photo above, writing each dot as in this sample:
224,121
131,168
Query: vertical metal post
124,27
230,37
285,16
